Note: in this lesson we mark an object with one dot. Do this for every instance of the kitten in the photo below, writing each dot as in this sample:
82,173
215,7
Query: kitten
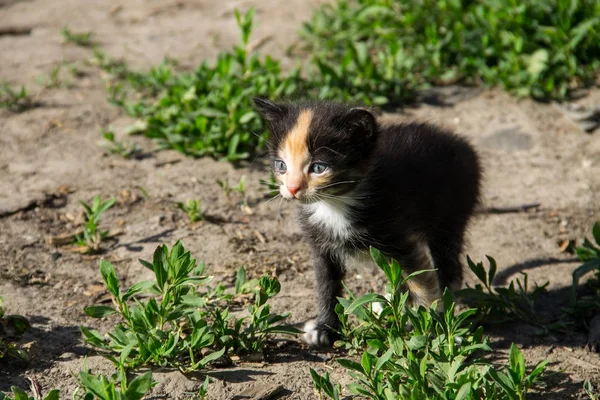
406,189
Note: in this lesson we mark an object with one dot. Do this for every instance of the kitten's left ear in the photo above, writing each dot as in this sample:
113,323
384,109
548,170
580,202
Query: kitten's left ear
362,120
269,110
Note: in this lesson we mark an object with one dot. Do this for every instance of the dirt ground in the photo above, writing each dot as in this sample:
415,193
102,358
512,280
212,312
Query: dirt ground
50,159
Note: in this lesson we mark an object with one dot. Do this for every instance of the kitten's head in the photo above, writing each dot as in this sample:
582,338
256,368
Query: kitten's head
318,150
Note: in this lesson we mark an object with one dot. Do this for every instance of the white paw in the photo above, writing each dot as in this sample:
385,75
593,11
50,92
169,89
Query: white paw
314,335
377,308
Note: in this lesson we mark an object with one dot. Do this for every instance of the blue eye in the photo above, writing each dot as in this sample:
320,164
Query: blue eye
279,166
318,168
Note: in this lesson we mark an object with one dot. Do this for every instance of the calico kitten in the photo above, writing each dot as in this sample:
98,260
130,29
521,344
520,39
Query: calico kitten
406,189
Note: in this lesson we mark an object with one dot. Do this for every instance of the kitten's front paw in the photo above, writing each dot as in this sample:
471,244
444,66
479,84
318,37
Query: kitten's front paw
317,334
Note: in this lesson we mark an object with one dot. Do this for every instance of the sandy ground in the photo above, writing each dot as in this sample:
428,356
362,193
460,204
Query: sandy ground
50,159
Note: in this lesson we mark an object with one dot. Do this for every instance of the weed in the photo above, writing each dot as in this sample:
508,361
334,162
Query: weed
20,394
125,150
170,322
582,307
103,388
323,384
16,100
92,235
79,38
590,255
422,353
208,112
593,393
12,327
539,49
192,210
228,188
499,304
203,392
54,79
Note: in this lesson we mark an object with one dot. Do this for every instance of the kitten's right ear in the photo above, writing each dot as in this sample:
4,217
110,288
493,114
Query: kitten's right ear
269,110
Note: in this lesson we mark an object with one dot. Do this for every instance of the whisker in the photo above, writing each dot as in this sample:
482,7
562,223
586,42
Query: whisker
273,198
328,148
279,208
334,184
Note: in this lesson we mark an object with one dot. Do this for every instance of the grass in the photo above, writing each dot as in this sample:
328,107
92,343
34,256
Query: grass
93,387
422,353
113,146
176,320
501,304
11,328
207,112
14,99
531,48
374,52
192,209
92,236
83,39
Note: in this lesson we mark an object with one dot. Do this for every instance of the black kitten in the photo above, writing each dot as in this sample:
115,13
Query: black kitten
407,190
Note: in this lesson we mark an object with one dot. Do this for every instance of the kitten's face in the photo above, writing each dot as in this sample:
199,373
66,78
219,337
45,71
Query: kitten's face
318,151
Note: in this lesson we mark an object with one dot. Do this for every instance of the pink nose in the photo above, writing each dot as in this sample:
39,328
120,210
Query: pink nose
293,189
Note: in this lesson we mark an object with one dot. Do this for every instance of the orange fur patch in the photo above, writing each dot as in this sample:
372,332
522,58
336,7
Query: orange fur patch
294,149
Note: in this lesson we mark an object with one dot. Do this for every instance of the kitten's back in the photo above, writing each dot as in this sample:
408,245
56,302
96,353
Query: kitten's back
428,171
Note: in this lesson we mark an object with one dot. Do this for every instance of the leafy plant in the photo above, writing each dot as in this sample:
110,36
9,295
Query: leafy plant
20,394
419,353
203,392
515,382
583,306
501,304
539,49
12,327
593,393
53,79
170,322
192,209
103,388
125,150
79,38
323,384
92,235
208,112
16,100
228,188
590,255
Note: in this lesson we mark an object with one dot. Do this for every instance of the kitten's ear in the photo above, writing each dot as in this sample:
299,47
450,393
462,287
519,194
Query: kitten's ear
362,120
269,110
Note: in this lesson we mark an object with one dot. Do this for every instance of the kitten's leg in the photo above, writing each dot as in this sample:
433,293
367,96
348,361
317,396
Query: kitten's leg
446,253
424,288
329,272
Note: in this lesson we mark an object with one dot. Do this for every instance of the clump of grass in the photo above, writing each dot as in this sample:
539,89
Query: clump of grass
538,49
20,394
501,304
11,328
192,209
125,150
583,306
92,236
207,112
16,100
102,388
79,38
419,353
93,387
176,320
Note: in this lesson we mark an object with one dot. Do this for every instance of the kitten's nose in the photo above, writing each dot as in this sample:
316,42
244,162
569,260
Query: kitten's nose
293,189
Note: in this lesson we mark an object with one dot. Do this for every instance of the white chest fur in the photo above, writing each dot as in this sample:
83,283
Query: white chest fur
333,217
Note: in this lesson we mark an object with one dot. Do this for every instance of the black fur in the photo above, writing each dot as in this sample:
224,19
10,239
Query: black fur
413,182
